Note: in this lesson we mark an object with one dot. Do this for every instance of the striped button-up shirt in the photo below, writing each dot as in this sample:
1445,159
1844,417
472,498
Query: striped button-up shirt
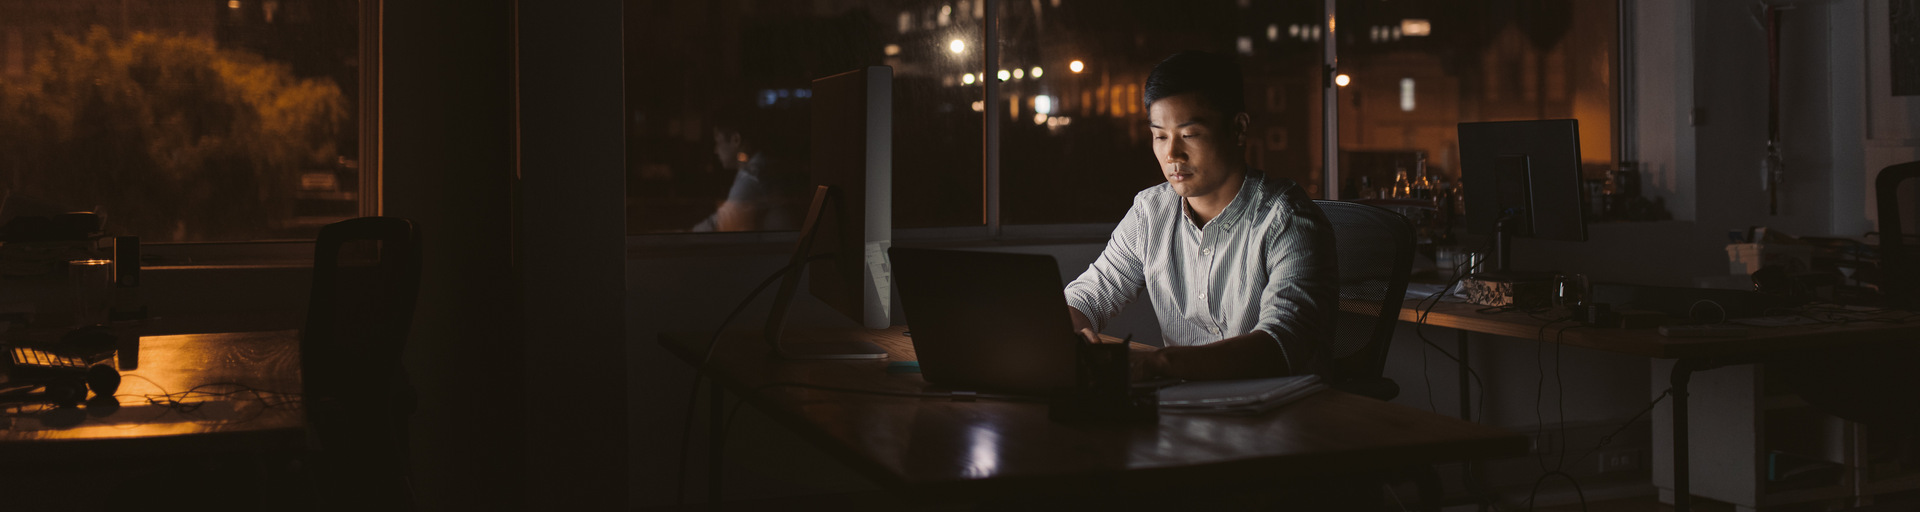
1266,264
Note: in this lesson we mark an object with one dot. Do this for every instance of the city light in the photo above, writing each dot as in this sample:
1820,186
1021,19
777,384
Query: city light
1273,32
1004,75
1043,104
1342,80
967,79
957,46
233,4
979,106
1019,73
1036,72
1414,27
1406,95
1076,66
1039,119
891,50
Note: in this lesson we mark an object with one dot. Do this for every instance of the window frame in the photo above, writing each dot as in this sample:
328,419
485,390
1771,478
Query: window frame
995,231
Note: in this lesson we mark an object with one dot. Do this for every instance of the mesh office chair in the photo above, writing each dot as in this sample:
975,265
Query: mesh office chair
1375,250
1873,385
366,276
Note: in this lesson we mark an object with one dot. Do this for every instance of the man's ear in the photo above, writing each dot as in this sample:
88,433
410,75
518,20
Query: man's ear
1240,122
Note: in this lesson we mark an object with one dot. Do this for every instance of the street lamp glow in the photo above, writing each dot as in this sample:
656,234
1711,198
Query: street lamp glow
967,79
1036,72
1043,104
1004,75
1019,73
957,46
1342,80
1076,66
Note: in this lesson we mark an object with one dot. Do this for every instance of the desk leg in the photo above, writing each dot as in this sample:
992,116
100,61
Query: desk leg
716,433
1466,398
1468,479
1682,491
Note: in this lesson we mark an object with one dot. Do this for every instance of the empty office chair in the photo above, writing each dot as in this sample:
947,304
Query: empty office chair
366,275
1899,251
1375,251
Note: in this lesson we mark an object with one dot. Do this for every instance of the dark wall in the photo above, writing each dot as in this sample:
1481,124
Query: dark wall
571,238
448,139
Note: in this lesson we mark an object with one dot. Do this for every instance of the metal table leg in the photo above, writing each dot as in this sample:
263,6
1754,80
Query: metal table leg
716,435
1682,490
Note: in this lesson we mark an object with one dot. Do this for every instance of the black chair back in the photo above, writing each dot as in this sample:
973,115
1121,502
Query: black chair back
366,277
1375,250
1899,260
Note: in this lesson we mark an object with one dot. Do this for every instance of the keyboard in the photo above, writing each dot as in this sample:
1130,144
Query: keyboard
37,358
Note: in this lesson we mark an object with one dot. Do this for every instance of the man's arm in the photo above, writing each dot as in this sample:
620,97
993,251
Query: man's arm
1113,280
1302,286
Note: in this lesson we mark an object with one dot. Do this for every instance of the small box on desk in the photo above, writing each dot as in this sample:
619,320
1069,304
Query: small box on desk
1509,289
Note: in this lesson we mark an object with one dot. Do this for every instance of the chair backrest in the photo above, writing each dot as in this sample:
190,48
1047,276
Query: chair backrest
1375,250
1899,261
366,276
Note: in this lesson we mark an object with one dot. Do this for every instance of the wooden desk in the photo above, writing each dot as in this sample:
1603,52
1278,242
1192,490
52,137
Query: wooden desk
216,418
944,447
1692,354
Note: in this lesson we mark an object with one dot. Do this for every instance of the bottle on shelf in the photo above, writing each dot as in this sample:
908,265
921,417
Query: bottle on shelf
1402,188
1367,190
1423,185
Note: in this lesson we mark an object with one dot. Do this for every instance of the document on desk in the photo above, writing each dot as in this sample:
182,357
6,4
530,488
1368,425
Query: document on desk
1248,396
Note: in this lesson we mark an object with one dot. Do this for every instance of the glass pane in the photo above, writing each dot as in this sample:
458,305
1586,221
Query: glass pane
1419,68
181,121
1074,142
718,91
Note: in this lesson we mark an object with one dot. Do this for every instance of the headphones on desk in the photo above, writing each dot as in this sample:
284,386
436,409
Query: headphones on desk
69,389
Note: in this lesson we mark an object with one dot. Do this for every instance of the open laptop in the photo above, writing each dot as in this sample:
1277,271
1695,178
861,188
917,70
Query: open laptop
986,321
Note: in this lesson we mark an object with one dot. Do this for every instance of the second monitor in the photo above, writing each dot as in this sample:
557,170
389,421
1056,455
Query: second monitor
1522,179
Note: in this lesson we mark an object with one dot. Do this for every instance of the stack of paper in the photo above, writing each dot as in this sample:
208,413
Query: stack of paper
1250,396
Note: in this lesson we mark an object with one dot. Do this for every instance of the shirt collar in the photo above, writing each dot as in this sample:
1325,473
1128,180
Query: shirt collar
1230,216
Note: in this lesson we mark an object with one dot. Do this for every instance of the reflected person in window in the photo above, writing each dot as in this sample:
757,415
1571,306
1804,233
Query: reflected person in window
760,198
1239,265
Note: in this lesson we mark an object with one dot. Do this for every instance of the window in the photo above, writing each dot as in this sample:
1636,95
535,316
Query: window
184,121
718,90
1071,136
1083,161
1472,61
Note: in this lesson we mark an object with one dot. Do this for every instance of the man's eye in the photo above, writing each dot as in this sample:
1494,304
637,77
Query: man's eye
1159,137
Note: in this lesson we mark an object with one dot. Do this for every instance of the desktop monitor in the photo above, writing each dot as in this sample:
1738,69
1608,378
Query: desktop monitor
851,216
1522,179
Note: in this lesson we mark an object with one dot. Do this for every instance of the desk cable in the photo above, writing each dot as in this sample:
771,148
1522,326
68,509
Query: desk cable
1460,272
700,370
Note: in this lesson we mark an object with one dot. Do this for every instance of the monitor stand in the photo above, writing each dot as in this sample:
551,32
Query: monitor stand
776,319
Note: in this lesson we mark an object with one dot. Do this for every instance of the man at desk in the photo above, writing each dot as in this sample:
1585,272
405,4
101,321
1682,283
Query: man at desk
1240,266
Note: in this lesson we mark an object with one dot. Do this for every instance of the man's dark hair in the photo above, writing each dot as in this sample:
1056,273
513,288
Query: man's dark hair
1216,77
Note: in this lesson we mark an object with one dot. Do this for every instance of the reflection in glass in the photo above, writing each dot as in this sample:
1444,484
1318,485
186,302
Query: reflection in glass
695,67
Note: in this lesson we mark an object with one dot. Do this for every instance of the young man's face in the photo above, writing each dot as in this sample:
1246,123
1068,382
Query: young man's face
1198,147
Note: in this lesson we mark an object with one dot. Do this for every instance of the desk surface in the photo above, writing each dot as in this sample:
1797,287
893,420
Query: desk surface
1648,342
222,371
935,445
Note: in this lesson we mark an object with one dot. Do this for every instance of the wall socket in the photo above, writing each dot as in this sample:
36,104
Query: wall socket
1622,460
